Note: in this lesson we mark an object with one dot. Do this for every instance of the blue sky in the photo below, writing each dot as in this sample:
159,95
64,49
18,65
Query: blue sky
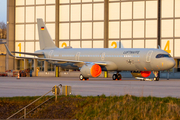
3,10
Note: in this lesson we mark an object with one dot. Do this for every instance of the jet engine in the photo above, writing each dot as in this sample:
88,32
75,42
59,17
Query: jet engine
91,70
141,73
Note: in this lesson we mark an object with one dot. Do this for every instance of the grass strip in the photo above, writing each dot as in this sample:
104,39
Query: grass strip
90,107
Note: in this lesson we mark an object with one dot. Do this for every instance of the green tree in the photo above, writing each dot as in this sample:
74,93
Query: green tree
3,30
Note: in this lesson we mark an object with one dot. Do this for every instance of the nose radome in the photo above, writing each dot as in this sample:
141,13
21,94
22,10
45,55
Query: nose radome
171,63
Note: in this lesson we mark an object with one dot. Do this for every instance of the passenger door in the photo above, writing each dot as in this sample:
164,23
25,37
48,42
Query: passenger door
77,56
148,56
103,56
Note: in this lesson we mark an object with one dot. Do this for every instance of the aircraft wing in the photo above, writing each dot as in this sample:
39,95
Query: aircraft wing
52,59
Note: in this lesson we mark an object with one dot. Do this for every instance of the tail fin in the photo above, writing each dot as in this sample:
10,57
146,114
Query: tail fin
45,39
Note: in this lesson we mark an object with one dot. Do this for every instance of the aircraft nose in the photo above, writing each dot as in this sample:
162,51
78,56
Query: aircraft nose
171,63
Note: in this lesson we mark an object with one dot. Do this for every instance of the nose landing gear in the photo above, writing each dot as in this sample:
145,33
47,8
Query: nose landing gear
156,78
116,76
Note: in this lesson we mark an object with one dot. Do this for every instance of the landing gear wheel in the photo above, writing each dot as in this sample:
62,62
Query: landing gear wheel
81,77
86,78
119,76
156,79
114,77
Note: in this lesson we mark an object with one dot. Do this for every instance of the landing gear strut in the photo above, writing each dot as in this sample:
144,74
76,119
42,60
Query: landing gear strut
156,78
81,77
116,76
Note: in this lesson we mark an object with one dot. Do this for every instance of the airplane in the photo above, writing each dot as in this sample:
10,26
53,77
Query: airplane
92,61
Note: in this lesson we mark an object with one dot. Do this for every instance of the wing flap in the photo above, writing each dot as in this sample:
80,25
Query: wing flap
101,63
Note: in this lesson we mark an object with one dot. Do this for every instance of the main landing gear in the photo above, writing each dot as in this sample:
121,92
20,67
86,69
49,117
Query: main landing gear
156,78
116,76
81,77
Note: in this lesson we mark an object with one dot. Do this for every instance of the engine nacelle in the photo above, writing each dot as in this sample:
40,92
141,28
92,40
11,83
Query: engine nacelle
141,74
91,70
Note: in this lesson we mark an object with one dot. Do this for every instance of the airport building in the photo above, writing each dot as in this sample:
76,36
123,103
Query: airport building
91,24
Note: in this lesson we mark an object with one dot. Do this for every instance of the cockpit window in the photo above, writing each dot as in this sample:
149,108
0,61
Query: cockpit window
163,55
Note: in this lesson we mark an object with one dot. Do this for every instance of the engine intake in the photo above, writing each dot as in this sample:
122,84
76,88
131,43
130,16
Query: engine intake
91,70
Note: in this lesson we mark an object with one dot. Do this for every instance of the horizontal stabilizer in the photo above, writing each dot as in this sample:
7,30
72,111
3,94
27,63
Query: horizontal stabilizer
8,51
2,42
35,54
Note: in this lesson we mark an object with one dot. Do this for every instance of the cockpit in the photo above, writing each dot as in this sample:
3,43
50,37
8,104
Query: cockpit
163,55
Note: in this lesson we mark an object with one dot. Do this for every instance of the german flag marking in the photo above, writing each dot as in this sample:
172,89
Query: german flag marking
42,28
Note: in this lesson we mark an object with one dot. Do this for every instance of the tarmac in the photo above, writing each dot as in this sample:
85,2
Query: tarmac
37,86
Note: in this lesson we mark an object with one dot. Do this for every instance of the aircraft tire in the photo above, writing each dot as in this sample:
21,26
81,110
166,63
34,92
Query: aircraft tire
114,77
119,76
86,78
81,77
156,79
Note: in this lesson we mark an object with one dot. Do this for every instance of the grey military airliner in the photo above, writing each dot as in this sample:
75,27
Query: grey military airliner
92,61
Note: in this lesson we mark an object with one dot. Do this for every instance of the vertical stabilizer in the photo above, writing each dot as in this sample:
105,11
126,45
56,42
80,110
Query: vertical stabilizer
45,39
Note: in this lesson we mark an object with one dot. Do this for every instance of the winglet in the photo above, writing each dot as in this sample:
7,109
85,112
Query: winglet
8,51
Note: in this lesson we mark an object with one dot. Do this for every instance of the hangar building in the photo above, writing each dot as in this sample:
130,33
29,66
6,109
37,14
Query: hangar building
92,24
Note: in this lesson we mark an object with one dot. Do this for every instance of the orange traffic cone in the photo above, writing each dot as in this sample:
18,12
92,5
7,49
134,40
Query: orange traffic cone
18,76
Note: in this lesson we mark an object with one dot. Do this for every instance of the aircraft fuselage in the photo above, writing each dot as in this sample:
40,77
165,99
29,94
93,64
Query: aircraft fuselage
122,59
